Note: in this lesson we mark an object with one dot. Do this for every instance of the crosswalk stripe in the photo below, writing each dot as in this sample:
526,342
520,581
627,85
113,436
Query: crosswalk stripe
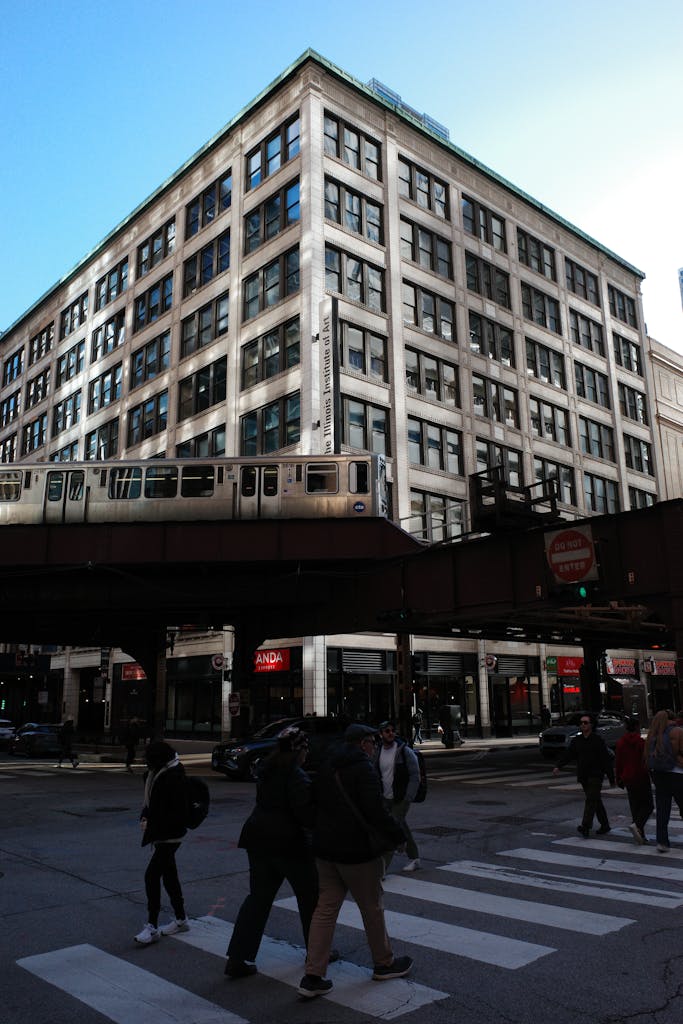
485,947
352,985
122,991
659,870
565,883
615,847
494,779
566,918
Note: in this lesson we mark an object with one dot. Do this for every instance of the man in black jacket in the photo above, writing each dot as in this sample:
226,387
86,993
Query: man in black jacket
349,803
593,762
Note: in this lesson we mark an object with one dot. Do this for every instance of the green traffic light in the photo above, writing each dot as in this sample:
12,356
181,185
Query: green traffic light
582,591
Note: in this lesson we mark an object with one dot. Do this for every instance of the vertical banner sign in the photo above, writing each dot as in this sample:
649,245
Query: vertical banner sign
330,405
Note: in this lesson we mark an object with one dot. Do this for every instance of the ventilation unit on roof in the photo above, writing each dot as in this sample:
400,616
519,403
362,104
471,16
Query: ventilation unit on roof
393,97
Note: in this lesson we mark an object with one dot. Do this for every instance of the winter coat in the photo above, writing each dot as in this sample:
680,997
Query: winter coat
338,836
167,804
593,759
284,810
629,766
406,778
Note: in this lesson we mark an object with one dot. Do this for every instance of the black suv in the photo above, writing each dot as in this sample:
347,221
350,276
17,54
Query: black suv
238,759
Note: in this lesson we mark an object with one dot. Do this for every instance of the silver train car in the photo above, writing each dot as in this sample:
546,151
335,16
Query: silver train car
294,486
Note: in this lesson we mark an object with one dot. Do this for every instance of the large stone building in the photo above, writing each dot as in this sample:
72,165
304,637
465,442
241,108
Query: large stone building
476,328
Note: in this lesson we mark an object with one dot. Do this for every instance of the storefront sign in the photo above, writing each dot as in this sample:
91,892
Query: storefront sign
275,660
132,671
569,666
620,666
659,668
571,555
329,378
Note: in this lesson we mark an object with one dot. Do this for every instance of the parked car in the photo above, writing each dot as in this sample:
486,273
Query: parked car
6,732
555,740
36,739
238,759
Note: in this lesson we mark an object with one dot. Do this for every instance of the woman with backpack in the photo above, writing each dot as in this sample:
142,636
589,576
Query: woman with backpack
664,759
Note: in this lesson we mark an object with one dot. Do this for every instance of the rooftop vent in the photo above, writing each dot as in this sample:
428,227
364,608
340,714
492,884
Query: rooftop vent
393,97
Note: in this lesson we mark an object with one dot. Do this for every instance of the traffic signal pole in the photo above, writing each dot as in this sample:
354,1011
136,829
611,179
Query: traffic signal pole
589,675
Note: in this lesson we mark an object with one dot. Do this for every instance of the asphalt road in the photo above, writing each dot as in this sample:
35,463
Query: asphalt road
513,917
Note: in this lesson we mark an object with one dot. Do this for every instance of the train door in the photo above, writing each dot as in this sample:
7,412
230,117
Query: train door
65,496
259,492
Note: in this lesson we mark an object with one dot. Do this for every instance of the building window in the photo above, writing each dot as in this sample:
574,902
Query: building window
355,279
581,282
640,499
600,495
103,443
545,364
108,337
148,419
8,449
271,284
481,222
535,254
209,445
490,455
10,408
596,439
353,211
271,354
69,453
70,364
541,308
356,149
74,316
205,325
633,404
41,344
435,517
38,388
544,469
432,378
266,221
495,401
622,306
202,390
364,351
111,285
274,426
365,426
66,413
426,249
153,303
209,262
586,333
488,338
592,386
427,311
274,151
638,455
549,422
105,389
434,446
34,435
149,361
627,354
12,367
422,188
156,248
208,205
486,279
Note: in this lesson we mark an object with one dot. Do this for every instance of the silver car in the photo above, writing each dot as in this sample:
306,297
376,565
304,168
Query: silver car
555,740
6,732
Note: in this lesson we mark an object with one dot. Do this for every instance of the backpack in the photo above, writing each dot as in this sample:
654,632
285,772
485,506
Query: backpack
665,760
198,800
422,788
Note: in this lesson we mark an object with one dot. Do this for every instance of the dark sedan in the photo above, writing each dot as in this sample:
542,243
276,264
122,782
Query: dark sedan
36,739
555,740
238,759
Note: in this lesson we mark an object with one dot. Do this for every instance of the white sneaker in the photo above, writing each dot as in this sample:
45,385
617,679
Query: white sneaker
175,926
412,865
148,935
662,848
637,834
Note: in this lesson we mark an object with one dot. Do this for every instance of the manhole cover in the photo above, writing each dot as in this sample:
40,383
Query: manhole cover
487,803
106,810
510,819
441,830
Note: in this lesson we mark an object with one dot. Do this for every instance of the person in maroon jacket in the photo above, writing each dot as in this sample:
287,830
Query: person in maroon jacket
631,772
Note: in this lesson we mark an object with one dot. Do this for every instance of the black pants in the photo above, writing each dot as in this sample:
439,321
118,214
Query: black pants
266,875
162,868
593,804
640,802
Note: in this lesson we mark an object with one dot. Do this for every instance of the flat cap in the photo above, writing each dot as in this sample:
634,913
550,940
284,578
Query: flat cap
357,731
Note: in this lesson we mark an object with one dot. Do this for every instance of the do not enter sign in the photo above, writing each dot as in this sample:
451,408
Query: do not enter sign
571,554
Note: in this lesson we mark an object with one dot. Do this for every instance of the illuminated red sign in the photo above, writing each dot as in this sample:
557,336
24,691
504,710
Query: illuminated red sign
132,671
274,660
569,666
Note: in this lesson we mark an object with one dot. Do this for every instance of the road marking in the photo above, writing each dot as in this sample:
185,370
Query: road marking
566,918
122,991
660,870
353,985
616,847
566,883
504,780
485,947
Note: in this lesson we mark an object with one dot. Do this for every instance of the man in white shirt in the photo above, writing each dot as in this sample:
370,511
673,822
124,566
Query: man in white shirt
400,776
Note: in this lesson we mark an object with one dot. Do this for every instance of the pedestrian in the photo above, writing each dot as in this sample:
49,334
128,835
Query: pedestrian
163,821
631,772
278,845
352,826
399,774
66,738
546,717
664,759
417,726
445,728
593,762
130,741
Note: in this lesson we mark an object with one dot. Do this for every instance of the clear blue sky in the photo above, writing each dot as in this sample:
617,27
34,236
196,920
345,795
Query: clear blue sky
578,104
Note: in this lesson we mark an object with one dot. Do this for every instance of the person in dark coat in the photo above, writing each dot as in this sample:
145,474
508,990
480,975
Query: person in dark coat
66,739
162,819
631,772
130,741
593,762
278,846
349,799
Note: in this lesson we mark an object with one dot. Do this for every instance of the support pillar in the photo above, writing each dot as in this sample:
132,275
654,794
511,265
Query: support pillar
247,641
589,674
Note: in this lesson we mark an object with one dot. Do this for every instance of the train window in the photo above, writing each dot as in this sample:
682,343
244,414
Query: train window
359,478
322,477
55,486
248,481
161,482
10,486
76,485
125,482
197,482
270,481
